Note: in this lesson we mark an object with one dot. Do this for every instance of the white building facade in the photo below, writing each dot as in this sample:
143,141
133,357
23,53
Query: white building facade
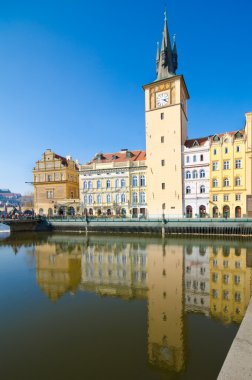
196,174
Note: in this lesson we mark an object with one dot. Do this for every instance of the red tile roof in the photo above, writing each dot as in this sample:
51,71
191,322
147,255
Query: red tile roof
200,140
136,155
242,131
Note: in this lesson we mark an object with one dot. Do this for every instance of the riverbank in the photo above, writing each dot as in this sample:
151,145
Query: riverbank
238,364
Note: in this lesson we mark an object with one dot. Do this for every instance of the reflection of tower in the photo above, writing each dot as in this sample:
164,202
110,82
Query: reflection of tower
165,330
230,279
197,278
57,273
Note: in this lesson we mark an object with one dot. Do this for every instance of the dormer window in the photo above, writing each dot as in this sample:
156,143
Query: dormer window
114,157
216,138
129,154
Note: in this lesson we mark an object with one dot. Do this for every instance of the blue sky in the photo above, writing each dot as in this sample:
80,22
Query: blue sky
71,74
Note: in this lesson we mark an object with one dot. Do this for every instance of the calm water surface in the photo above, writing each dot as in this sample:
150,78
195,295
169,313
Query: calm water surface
113,307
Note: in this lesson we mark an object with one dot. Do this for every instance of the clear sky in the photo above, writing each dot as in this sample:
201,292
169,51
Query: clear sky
71,74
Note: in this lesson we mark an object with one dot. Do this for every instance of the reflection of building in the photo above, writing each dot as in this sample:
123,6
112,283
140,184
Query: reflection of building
115,269
230,282
114,183
165,306
58,271
56,185
196,276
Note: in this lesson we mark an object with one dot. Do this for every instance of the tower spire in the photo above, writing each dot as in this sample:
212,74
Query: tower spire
165,66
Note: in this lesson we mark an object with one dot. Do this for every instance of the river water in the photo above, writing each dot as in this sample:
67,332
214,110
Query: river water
119,307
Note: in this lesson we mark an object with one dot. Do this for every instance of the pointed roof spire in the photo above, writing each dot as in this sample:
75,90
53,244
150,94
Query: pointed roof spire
174,53
165,68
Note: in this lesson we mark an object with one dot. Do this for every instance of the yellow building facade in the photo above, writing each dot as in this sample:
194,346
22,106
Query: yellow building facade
56,185
230,173
114,184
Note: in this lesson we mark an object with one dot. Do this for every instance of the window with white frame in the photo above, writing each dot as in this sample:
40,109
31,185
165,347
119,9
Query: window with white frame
90,199
134,197
188,190
188,174
90,185
226,165
237,197
142,197
108,198
142,181
117,183
225,198
215,165
85,199
202,173
85,185
187,159
237,181
123,183
108,184
195,174
123,198
49,194
134,181
226,182
194,158
215,198
215,182
237,164
202,189
99,198
98,184
117,198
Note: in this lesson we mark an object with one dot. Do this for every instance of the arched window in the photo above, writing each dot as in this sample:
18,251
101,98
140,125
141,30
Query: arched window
237,181
142,180
99,198
202,189
142,197
108,197
215,182
90,185
117,183
226,182
117,198
90,199
123,183
108,184
195,174
134,181
85,199
98,184
123,198
85,185
188,190
134,197
202,173
188,174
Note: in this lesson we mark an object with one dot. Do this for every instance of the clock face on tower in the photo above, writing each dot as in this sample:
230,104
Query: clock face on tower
162,99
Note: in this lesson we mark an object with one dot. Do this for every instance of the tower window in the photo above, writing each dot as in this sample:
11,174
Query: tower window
162,162
162,116
163,186
162,139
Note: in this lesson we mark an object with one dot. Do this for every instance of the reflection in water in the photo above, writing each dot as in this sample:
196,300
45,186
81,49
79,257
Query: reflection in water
213,279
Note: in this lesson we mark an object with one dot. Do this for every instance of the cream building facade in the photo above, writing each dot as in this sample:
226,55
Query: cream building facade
166,132
56,185
114,184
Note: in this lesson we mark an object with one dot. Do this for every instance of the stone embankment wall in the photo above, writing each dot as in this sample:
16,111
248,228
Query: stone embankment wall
183,227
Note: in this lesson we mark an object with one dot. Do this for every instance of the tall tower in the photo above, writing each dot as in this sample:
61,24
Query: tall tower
166,132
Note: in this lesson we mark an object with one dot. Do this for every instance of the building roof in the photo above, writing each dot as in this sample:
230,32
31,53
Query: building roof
196,142
122,156
219,135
